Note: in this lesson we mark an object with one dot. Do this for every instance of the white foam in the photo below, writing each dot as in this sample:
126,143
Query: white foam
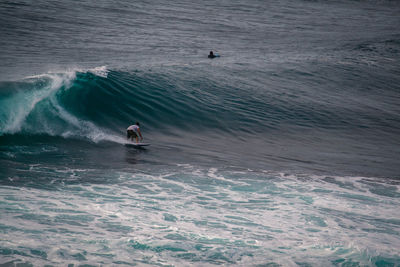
272,222
100,71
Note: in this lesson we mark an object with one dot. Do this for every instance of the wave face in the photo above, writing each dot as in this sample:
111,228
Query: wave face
97,104
284,115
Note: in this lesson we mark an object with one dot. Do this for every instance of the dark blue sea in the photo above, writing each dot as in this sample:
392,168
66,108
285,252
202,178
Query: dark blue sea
283,151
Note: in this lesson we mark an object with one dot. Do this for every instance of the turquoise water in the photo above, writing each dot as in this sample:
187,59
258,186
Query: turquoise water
186,215
282,152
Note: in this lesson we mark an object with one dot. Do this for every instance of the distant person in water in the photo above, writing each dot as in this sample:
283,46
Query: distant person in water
133,131
211,55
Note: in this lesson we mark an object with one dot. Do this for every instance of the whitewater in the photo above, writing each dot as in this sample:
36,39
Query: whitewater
284,151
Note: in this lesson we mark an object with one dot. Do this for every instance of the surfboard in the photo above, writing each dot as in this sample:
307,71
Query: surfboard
137,144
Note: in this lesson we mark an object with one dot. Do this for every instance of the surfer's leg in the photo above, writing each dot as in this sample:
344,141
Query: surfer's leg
134,135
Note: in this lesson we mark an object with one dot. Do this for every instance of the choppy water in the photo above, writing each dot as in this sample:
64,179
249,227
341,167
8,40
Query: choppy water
282,152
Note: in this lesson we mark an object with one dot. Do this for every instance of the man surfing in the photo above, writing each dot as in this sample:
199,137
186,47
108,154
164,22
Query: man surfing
133,131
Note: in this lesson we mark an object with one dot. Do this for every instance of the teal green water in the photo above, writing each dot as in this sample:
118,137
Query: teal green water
199,216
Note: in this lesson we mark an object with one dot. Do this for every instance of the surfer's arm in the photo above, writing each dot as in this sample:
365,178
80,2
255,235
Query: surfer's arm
140,134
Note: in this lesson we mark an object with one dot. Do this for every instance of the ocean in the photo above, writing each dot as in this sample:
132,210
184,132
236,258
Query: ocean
283,151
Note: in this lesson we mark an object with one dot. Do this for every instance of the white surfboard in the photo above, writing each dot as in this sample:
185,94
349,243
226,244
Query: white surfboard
137,144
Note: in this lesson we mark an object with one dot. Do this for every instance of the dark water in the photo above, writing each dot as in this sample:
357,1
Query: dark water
283,151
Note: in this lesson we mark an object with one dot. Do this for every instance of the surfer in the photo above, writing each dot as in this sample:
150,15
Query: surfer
133,131
211,55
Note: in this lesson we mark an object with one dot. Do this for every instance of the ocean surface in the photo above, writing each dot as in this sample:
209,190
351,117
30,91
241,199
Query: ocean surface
284,151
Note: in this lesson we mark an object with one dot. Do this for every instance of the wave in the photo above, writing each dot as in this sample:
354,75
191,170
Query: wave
98,104
37,105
